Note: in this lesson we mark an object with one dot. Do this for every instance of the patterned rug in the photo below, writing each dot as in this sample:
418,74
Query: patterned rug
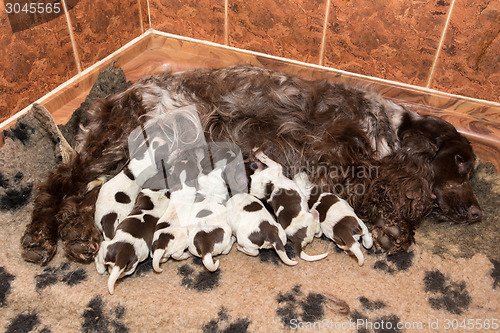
448,281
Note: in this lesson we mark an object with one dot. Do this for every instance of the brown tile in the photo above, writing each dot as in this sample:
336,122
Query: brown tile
102,27
33,61
389,39
470,59
285,28
197,19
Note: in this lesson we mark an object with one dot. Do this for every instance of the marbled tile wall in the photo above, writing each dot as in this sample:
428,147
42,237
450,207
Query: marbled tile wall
390,39
36,50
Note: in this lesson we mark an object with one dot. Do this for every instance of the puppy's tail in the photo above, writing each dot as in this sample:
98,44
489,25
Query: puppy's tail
209,262
297,244
367,240
157,256
316,257
280,250
356,250
115,274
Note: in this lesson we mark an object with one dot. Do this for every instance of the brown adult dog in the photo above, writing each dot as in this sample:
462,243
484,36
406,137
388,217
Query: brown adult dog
393,165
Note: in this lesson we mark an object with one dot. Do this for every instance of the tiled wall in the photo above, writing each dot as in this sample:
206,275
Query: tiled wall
391,39
37,59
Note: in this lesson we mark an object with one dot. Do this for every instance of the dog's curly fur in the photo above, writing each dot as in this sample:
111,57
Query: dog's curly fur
393,165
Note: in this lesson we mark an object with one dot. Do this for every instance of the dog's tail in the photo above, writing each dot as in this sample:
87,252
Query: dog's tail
297,244
367,240
316,257
356,250
115,274
157,258
209,262
280,250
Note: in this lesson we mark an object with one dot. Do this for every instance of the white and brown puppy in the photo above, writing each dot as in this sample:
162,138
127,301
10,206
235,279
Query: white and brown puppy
169,242
288,203
338,221
115,201
132,241
208,240
117,196
204,205
170,238
255,228
209,232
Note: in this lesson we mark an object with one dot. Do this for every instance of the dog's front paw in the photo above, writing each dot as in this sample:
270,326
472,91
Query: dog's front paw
38,246
390,237
81,240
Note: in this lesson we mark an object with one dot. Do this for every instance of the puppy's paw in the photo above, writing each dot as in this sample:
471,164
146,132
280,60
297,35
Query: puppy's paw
390,237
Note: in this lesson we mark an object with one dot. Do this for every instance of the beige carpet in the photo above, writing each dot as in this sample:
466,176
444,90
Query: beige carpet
438,283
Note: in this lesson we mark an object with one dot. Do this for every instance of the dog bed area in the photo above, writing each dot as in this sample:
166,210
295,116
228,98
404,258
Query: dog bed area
449,280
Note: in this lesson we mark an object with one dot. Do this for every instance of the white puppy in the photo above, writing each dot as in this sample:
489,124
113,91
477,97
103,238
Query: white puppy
117,196
255,228
209,240
288,203
132,241
338,221
169,242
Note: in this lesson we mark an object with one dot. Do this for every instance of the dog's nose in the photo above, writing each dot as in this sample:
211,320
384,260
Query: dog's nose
475,214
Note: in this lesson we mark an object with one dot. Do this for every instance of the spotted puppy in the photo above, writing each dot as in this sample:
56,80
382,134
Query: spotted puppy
209,232
288,203
338,221
255,228
202,222
117,196
170,239
132,241
169,242
208,240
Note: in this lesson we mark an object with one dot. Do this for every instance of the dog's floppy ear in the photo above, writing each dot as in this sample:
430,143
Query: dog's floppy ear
419,143
423,135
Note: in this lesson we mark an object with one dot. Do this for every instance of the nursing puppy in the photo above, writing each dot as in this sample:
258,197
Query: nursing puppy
170,238
255,228
209,232
115,201
117,196
203,210
209,240
132,241
339,222
288,203
337,218
169,242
